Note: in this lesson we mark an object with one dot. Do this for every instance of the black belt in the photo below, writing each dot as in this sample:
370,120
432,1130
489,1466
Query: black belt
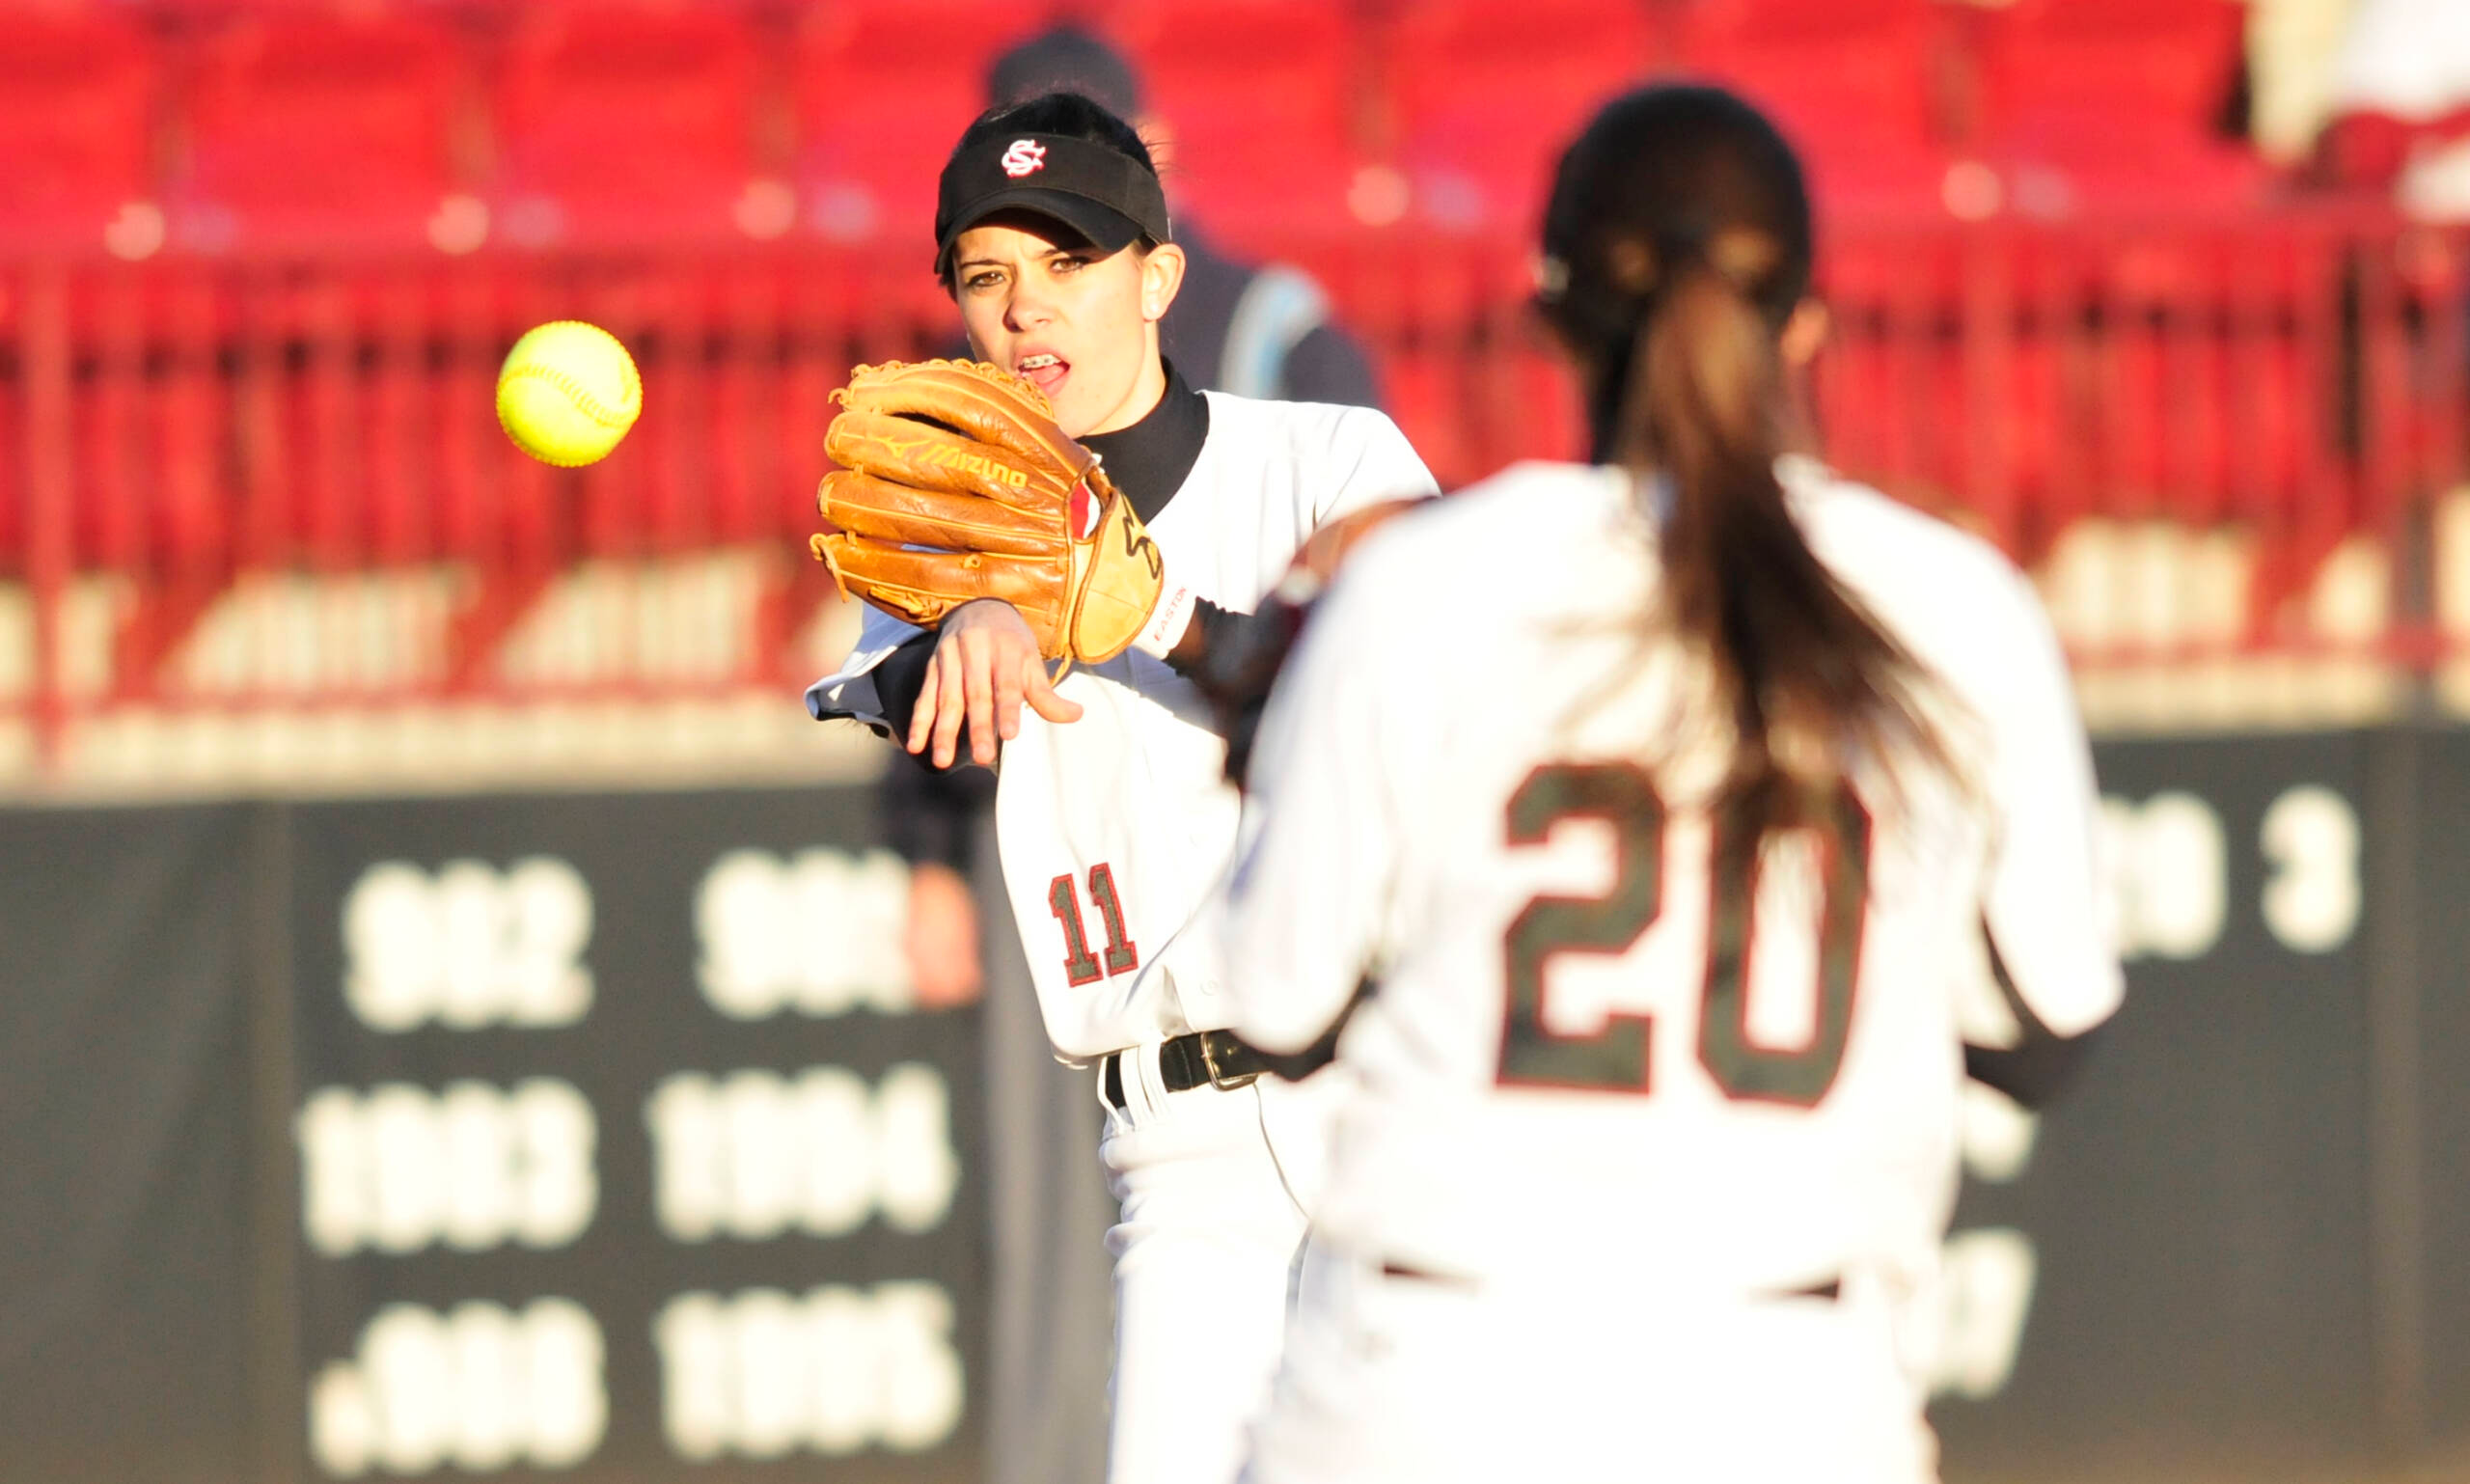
1212,1058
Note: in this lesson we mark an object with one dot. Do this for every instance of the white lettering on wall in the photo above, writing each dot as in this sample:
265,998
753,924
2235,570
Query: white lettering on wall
763,1373
2169,870
471,946
1985,1294
2310,843
753,1154
398,1167
818,932
482,1387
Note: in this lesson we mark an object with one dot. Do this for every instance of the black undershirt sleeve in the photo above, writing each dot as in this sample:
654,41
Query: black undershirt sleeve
2036,1071
1233,658
931,815
900,678
2041,1064
1224,638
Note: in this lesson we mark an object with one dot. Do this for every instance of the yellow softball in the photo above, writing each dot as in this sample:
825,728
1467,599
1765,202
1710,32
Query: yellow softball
567,393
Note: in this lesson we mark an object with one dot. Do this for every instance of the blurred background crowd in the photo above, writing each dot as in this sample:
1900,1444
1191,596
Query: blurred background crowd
2163,295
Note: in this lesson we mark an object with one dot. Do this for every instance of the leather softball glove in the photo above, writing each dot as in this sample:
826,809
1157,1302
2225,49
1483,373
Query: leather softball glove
956,485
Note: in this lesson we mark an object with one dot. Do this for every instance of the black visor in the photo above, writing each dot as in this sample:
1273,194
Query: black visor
1107,198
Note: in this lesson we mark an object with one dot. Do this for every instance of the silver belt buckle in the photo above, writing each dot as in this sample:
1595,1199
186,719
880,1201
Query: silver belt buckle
1225,1082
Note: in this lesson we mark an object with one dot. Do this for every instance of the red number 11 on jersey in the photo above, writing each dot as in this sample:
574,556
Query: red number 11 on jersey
1064,899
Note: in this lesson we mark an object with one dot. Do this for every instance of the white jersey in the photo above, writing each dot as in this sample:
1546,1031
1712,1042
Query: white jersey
1584,1056
1115,829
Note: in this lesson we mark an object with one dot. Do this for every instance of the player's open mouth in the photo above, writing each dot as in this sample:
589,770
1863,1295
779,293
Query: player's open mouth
1044,370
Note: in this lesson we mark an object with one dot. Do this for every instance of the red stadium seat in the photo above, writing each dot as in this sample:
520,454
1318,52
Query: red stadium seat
882,88
1255,96
13,481
1854,83
77,140
624,126
311,131
1428,397
2109,104
1489,94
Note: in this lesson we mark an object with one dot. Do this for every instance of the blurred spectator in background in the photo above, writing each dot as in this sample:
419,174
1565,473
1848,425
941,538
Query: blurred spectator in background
2402,106
1256,330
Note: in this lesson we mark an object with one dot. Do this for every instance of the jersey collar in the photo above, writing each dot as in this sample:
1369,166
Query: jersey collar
1150,460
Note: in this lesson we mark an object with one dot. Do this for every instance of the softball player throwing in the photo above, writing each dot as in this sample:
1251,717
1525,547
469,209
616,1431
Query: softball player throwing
1113,820
1656,975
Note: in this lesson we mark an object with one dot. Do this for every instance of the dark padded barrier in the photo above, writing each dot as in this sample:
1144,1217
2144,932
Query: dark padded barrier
592,1138
124,1343
779,1258
2199,1208
2437,1040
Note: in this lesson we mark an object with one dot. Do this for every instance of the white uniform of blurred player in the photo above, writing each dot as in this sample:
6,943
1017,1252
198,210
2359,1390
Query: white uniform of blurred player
1653,1141
1114,817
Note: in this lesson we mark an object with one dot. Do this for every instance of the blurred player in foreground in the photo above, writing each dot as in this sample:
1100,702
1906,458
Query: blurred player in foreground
1114,818
1657,967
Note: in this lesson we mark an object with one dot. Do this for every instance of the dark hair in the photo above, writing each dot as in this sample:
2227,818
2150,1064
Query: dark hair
1676,246
1066,115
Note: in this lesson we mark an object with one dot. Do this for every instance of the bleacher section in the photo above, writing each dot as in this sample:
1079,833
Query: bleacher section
259,257
296,127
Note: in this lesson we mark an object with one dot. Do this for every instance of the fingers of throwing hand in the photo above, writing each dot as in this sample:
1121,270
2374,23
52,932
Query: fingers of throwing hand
952,662
922,718
1008,679
982,655
1041,695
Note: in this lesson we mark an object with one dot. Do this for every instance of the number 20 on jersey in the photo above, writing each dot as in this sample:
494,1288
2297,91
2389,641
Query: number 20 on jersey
1615,1058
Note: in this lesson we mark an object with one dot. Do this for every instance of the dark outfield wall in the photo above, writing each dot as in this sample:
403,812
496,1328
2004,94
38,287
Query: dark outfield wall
504,1136
125,1193
594,1138
2193,1230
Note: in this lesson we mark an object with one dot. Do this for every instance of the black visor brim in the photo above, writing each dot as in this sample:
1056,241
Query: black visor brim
1100,225
1111,198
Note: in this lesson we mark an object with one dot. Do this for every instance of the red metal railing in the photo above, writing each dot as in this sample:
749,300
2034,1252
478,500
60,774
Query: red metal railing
2304,376
181,425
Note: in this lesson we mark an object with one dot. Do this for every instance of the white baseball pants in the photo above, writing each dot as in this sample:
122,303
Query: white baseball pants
1213,1185
1424,1381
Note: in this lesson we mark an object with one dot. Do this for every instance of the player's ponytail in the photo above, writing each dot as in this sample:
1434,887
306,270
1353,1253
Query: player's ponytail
1677,248
1797,664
